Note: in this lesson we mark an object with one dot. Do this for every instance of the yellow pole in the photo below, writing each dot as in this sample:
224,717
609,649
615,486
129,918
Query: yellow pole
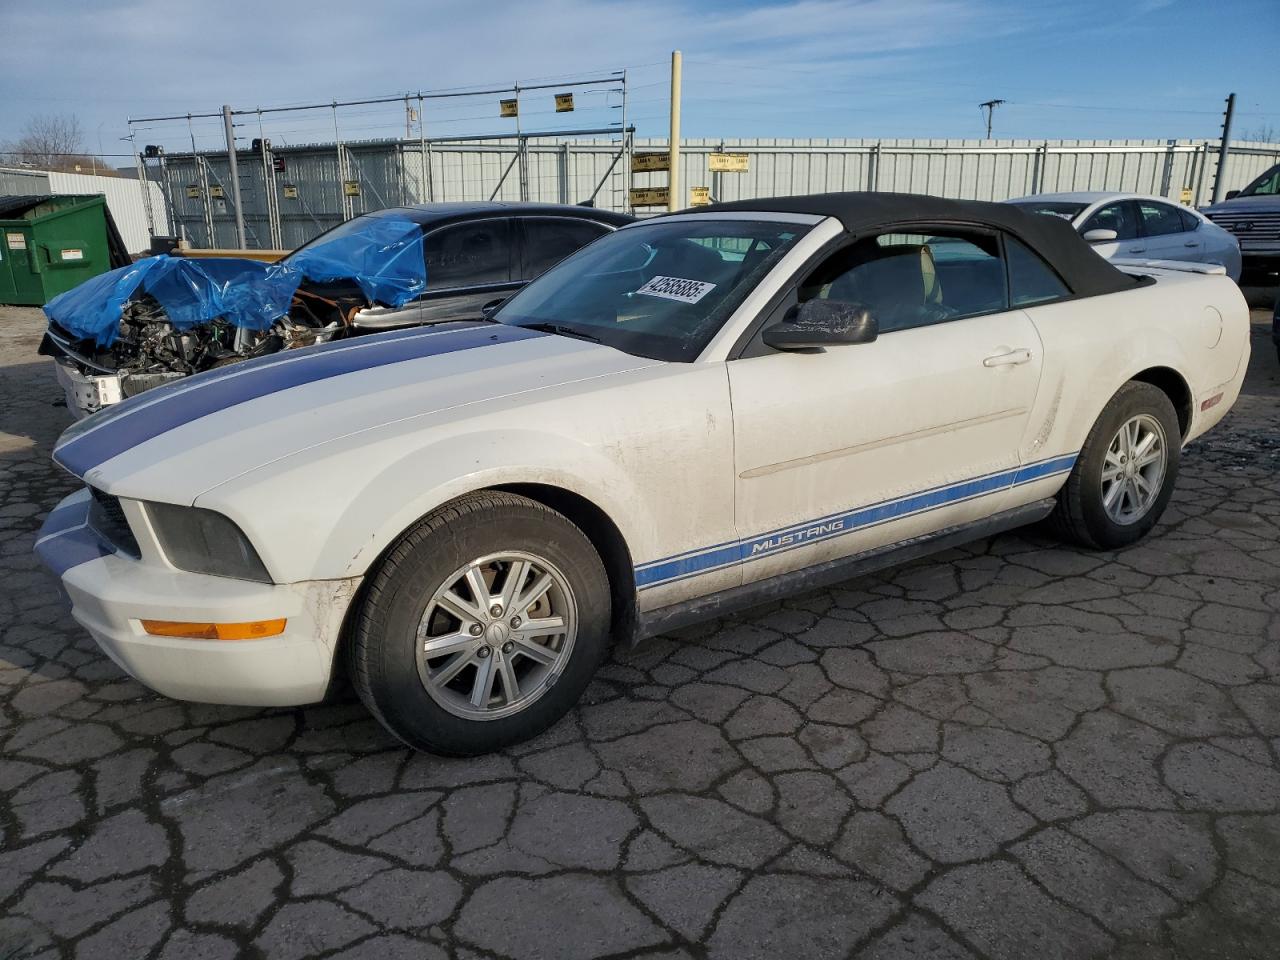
674,201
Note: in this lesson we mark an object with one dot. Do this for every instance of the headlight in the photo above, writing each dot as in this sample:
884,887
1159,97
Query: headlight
203,541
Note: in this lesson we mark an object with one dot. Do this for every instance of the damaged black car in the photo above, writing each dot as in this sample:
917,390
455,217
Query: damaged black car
167,317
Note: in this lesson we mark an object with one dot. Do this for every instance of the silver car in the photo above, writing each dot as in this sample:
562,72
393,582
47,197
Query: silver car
1128,226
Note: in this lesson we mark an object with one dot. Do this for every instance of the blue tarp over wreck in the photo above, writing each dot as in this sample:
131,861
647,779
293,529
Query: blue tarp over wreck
383,256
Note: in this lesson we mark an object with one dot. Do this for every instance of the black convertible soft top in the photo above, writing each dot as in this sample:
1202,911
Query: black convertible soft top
1086,273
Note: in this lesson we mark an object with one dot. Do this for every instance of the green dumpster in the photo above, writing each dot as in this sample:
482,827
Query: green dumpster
50,244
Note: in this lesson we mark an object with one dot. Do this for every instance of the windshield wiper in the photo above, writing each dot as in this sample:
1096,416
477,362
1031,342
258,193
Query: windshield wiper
560,328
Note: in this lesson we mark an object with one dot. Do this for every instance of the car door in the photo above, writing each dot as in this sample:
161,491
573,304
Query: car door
858,446
1122,217
548,240
1164,233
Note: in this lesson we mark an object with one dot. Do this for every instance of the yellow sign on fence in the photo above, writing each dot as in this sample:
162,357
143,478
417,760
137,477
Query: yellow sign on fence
351,188
699,196
727,162
290,191
508,108
216,191
1185,197
564,102
193,192
650,196
650,162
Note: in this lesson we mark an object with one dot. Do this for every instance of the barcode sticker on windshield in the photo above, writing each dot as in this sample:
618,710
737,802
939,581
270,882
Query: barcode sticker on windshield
673,288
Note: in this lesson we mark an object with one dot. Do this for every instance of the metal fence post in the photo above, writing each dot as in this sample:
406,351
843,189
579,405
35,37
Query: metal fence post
564,172
424,160
145,186
1223,147
524,168
234,173
873,168
1202,156
1166,178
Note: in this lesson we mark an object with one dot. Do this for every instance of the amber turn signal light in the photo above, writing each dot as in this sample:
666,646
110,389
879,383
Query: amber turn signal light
214,631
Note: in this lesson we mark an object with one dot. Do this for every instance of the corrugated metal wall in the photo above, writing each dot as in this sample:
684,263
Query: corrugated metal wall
966,169
125,199
23,183
572,171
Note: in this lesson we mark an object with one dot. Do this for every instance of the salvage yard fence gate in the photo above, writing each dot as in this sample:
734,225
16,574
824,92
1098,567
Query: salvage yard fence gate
291,194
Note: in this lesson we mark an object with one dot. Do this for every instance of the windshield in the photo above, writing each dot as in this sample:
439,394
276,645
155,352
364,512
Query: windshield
1053,208
661,289
1267,185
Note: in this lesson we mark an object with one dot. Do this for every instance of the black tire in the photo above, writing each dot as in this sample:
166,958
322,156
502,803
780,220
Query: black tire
384,648
1080,515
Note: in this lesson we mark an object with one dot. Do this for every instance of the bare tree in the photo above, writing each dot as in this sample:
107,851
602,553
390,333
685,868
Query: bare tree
1263,133
51,142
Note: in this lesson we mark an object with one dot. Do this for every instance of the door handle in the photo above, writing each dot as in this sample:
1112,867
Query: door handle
1192,243
1021,355
1137,249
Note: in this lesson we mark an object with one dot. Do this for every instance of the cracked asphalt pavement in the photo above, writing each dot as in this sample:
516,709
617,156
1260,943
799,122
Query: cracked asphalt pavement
1013,750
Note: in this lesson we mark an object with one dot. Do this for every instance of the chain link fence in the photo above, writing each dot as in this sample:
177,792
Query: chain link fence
291,194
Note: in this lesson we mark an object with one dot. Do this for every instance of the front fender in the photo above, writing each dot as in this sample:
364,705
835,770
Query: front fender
425,479
364,496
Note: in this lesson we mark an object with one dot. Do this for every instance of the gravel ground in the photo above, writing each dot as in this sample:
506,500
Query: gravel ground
1017,749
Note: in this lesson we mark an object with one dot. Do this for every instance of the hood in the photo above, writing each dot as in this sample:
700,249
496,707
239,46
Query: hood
1270,204
173,443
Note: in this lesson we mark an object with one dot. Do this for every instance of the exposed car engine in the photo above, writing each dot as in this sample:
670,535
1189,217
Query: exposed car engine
163,318
149,350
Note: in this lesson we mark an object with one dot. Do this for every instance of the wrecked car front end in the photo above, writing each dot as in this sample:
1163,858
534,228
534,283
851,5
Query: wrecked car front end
164,318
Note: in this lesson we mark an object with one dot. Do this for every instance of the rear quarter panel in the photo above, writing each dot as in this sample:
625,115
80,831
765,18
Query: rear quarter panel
1196,325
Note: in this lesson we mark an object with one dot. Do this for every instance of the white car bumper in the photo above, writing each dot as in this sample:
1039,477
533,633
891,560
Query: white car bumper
111,593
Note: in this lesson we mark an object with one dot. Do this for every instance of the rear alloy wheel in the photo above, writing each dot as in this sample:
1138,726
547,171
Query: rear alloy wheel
1133,469
482,626
1124,476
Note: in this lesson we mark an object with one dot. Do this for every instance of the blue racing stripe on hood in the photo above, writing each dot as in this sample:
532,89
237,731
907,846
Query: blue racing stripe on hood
145,417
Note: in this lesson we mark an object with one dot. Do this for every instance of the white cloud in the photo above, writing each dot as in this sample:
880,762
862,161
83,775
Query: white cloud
108,60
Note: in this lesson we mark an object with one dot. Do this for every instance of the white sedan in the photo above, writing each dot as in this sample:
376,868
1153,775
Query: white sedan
1130,227
691,415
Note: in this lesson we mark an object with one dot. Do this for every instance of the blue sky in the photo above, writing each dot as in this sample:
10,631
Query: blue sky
765,68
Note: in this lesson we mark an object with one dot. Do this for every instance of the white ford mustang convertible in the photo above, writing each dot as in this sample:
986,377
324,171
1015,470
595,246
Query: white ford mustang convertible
691,415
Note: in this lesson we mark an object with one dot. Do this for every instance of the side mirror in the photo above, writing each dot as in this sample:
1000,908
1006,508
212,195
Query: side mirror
1232,194
1101,236
823,323
488,309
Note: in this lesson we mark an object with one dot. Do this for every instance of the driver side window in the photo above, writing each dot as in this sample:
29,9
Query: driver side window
914,280
1119,217
1268,185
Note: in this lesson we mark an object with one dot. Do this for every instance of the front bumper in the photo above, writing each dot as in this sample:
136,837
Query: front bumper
1260,267
86,393
111,593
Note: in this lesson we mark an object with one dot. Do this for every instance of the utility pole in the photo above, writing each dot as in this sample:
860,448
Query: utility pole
673,143
1223,147
990,107
234,173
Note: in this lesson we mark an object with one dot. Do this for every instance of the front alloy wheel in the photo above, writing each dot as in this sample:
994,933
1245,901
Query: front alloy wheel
482,626
496,635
